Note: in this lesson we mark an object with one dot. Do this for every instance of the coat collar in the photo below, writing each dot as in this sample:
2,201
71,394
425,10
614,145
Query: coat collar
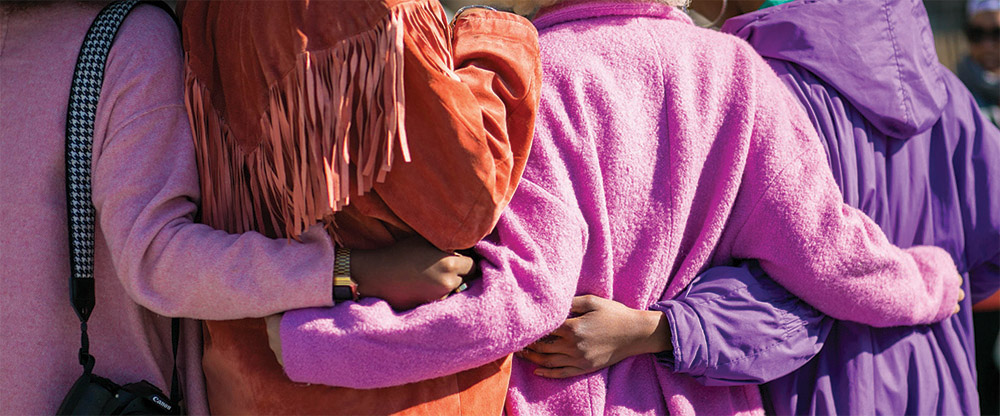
572,10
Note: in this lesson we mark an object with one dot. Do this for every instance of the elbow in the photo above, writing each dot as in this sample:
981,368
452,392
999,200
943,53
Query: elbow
152,290
550,306
163,299
527,308
157,302
553,313
135,279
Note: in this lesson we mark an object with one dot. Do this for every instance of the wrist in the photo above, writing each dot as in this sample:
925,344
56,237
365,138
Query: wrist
362,262
655,332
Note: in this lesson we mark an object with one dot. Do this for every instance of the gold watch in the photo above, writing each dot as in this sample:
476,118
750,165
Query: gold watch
344,287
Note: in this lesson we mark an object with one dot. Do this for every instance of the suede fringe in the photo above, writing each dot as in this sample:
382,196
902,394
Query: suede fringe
339,108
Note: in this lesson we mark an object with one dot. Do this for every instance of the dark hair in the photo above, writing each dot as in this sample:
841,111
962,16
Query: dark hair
977,34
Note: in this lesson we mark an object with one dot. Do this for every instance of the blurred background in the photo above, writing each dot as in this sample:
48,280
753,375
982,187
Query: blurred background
947,18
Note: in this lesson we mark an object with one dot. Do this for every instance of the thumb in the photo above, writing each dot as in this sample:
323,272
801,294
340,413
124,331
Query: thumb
466,265
273,325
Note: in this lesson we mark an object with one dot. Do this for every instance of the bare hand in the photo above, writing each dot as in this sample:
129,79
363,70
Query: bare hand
604,333
961,295
274,335
409,273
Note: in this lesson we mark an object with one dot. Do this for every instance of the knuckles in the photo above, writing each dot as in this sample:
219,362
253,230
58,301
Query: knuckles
450,264
571,327
588,301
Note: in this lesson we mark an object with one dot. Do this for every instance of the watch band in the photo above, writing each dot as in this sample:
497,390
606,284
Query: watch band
473,6
344,287
458,13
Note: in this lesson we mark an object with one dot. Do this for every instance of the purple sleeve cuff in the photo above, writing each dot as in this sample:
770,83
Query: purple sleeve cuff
736,326
984,280
690,348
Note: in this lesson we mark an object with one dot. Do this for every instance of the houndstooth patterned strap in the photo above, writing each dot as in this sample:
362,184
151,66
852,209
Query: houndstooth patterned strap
85,91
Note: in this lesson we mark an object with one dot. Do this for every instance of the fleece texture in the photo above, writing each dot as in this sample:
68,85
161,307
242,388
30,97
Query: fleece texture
151,259
681,150
660,149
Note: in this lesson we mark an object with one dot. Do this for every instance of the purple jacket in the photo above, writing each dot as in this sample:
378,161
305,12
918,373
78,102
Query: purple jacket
908,147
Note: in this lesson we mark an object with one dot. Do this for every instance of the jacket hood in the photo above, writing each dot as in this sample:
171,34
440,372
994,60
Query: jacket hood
879,54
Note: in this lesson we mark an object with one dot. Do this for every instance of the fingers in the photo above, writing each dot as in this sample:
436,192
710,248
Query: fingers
463,265
584,304
961,296
547,360
550,345
454,284
562,372
961,283
273,324
475,273
565,330
450,270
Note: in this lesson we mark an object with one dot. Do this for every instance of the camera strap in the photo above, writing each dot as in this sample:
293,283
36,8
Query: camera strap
85,91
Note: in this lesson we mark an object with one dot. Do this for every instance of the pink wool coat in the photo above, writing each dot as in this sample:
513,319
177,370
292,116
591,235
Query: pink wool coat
660,149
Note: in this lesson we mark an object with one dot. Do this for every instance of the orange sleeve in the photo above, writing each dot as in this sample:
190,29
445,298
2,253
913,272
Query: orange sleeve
471,93
991,303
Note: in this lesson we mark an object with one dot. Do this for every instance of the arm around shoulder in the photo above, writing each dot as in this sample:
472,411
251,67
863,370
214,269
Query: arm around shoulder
145,190
527,283
790,216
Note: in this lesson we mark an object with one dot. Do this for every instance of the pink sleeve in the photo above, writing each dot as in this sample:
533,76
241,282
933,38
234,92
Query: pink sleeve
791,216
530,267
145,190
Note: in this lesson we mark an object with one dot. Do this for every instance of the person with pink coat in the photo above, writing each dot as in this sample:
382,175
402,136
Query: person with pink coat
661,149
151,260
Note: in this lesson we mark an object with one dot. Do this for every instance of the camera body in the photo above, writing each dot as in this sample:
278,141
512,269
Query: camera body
95,395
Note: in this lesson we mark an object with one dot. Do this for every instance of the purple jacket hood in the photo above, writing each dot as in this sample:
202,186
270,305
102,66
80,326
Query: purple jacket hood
877,53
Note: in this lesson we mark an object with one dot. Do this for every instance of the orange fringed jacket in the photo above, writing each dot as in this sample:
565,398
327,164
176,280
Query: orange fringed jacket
374,117
377,111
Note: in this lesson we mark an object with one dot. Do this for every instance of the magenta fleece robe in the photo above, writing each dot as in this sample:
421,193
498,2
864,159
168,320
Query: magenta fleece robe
661,149
150,257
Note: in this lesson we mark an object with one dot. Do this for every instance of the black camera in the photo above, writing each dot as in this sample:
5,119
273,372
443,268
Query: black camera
95,395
